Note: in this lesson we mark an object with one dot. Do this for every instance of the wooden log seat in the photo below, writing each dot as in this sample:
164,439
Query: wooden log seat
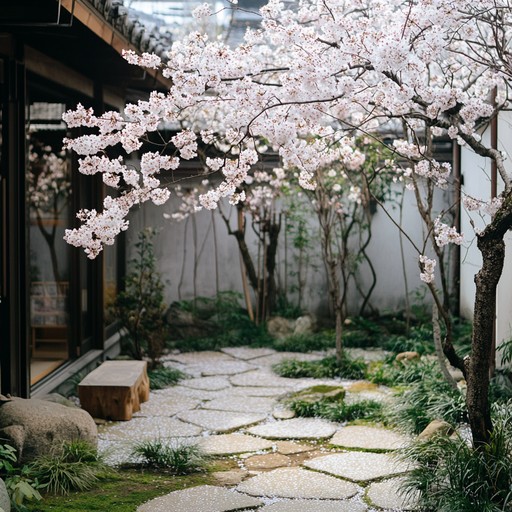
115,389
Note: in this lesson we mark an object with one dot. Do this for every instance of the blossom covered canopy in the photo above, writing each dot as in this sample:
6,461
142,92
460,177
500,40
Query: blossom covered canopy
316,73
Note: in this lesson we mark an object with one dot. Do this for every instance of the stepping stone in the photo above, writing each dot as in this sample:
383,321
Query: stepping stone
240,403
369,355
283,413
163,405
247,353
220,421
314,506
191,358
386,495
229,444
231,477
261,378
298,483
207,383
358,466
201,394
142,429
297,428
204,498
220,368
267,461
258,391
290,448
369,438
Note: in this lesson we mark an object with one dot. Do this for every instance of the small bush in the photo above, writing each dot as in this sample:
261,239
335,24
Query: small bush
392,373
339,412
176,459
164,377
323,340
76,467
326,368
451,476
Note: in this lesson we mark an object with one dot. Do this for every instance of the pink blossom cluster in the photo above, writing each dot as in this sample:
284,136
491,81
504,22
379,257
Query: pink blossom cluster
313,73
428,267
445,234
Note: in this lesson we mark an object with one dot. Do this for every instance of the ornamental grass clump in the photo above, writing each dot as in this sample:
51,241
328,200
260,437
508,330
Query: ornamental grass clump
177,459
326,368
451,476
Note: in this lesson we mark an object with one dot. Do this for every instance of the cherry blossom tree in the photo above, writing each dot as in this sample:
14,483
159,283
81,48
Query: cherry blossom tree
315,73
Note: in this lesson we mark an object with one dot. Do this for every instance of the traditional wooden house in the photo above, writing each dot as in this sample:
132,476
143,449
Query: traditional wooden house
53,301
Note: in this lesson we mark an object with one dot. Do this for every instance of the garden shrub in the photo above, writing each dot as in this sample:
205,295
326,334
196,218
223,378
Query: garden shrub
338,411
326,368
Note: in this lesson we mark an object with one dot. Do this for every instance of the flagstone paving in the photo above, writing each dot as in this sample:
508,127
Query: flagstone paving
230,407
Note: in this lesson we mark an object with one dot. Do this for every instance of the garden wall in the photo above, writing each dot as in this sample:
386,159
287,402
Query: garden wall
197,257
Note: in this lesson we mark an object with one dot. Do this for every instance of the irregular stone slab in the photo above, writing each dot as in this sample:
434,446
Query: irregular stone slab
261,378
247,353
369,438
386,495
231,477
201,394
207,383
369,355
258,391
220,368
208,356
281,356
376,396
436,427
314,506
358,466
220,421
290,448
142,429
267,461
283,413
298,483
229,444
164,405
297,428
204,498
240,403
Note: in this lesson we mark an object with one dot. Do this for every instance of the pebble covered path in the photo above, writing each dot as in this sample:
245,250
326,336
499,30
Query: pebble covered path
231,406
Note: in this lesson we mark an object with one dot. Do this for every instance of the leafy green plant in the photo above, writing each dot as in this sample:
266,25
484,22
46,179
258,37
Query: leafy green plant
338,411
164,377
452,476
76,466
179,459
323,340
326,368
393,373
20,483
140,307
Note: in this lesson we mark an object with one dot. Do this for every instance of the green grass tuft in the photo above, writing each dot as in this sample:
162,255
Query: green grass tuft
164,377
326,368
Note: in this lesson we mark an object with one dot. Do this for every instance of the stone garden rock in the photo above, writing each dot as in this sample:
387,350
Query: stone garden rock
436,427
325,393
279,327
407,356
204,498
304,325
36,427
5,502
298,483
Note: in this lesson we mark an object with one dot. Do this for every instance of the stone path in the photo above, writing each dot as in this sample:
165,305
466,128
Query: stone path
231,407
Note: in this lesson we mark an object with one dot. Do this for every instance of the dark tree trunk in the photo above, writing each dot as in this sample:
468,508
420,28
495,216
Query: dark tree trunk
477,366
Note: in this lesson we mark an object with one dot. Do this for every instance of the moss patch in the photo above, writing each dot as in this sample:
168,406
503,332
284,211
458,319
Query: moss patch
123,491
362,385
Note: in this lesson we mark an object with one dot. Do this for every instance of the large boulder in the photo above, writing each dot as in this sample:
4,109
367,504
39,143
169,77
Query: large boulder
304,325
185,324
279,327
36,427
5,502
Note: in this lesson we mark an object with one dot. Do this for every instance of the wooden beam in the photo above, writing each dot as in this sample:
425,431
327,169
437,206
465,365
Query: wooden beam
53,70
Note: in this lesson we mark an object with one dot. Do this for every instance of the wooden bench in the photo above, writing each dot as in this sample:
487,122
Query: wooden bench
115,389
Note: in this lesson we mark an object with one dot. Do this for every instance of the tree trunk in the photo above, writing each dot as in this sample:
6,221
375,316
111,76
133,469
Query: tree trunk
492,247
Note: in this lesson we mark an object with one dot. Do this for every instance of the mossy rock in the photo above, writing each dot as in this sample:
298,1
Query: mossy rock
321,392
361,386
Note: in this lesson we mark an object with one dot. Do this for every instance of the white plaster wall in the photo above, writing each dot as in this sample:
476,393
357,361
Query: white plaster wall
176,258
476,176
504,298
